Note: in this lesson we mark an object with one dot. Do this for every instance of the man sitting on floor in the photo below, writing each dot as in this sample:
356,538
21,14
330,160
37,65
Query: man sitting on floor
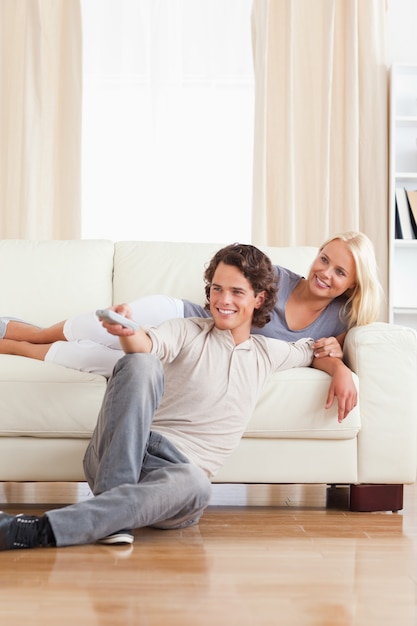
175,407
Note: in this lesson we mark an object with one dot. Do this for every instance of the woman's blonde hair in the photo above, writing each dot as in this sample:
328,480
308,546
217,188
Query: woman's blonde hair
364,300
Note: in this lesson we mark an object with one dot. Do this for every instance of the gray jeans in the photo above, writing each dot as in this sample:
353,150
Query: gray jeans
137,476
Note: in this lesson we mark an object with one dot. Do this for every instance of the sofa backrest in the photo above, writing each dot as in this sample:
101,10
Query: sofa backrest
46,281
176,269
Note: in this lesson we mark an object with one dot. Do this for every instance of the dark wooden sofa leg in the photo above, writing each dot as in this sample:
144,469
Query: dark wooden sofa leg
367,498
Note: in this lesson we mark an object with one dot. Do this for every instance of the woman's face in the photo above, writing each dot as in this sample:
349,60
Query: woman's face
333,271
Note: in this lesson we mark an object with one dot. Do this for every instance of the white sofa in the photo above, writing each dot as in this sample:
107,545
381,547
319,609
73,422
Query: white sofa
47,412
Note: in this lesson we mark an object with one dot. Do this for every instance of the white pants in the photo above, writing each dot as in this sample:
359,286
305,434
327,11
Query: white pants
90,348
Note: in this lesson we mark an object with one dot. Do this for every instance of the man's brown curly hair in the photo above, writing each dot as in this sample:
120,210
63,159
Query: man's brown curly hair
257,269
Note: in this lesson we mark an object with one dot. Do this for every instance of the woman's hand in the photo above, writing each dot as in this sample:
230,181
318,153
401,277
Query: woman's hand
327,346
342,387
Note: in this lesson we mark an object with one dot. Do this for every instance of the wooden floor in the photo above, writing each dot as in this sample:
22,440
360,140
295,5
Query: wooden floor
281,555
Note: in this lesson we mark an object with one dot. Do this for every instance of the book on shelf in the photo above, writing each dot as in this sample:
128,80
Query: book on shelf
398,230
412,201
406,220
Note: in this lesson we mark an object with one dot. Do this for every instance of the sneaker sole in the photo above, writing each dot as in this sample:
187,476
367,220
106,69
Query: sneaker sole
117,539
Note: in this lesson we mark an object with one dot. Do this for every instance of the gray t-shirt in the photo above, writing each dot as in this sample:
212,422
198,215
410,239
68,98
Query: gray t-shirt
330,322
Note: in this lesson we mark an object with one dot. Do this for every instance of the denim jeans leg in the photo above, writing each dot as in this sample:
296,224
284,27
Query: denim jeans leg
140,477
117,447
180,505
173,496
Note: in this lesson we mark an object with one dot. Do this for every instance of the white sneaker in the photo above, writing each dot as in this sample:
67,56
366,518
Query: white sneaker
120,538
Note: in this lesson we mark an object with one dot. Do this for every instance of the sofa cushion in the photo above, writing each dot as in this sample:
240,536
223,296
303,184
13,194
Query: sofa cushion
301,413
165,268
160,268
44,282
39,399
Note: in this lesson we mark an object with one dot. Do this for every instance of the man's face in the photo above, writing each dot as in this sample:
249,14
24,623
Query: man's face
233,301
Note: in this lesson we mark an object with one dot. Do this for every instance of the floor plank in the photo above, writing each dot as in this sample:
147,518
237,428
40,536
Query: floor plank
290,554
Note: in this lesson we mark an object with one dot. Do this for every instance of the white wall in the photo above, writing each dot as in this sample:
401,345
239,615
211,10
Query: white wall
401,31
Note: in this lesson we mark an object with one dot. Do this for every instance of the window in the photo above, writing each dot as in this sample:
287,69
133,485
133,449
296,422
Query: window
168,100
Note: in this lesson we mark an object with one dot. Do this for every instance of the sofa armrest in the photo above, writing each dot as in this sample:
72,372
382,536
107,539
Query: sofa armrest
384,356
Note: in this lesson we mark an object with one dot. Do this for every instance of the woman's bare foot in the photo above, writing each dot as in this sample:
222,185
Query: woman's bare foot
22,331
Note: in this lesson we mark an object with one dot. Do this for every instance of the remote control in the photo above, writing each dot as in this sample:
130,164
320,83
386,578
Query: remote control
107,315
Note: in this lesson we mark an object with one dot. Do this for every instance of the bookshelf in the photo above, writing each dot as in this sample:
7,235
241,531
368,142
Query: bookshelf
403,173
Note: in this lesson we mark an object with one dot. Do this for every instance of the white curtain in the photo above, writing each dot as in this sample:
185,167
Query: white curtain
40,119
167,119
321,144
